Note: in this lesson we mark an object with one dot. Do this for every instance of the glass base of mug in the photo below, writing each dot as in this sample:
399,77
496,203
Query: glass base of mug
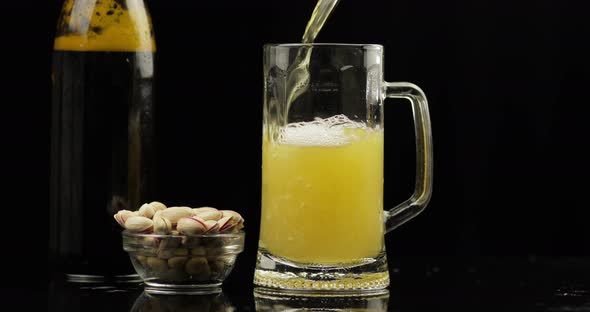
367,274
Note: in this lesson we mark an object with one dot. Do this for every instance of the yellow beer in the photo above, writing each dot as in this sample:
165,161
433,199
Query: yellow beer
322,194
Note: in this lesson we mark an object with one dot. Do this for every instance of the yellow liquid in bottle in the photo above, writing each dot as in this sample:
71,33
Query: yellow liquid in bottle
107,25
322,195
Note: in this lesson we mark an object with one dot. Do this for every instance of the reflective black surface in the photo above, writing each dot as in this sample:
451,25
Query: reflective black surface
417,284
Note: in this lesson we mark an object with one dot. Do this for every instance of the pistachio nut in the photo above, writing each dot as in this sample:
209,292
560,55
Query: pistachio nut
175,275
191,241
122,215
234,214
170,242
147,211
226,224
191,226
218,264
165,254
138,224
142,260
203,209
180,252
156,264
175,213
212,227
177,262
236,223
158,206
149,241
162,225
209,215
197,266
198,251
167,248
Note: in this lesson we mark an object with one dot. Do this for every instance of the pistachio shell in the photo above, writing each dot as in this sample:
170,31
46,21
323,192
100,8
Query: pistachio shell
191,226
198,251
158,206
142,260
149,241
191,241
175,213
197,265
146,210
203,209
212,227
170,242
165,254
234,214
168,247
122,215
175,275
226,224
139,224
219,264
177,262
209,215
157,264
162,225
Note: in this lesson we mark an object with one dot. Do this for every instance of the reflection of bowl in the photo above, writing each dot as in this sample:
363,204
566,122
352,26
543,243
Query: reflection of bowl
154,303
179,264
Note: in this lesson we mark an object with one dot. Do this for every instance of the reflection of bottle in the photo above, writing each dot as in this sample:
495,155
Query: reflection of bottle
102,132
63,297
166,303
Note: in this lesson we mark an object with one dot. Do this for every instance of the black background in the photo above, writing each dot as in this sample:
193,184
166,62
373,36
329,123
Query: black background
507,83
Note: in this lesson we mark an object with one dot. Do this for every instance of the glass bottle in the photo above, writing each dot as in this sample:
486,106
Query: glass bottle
102,134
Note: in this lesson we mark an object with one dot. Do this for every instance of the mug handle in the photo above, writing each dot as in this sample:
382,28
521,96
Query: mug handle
410,208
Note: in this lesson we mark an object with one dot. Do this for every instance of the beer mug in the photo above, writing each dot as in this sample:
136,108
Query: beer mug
322,219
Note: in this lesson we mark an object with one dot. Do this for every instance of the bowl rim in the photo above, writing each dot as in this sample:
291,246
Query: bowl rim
151,235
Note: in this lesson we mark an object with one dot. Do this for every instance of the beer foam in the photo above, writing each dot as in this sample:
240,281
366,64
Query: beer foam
330,131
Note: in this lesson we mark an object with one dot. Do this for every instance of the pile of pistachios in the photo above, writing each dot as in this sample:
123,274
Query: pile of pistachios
156,218
183,251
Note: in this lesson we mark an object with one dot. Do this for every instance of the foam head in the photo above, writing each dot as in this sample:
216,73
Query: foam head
335,130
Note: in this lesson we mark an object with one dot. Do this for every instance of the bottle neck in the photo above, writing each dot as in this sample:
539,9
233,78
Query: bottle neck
106,25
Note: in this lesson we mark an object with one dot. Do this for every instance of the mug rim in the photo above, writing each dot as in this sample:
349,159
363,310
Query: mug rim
368,46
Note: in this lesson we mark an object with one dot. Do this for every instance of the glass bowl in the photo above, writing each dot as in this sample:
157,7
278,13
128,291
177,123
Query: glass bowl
180,264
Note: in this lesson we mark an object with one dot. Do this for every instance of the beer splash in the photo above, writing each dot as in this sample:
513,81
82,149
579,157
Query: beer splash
298,74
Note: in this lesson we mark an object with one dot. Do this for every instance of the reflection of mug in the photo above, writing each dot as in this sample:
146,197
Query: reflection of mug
322,222
155,303
270,302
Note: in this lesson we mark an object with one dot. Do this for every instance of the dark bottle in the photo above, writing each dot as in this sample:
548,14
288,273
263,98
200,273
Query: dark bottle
102,134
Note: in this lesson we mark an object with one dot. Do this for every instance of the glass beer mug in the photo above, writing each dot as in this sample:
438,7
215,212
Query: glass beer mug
322,221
